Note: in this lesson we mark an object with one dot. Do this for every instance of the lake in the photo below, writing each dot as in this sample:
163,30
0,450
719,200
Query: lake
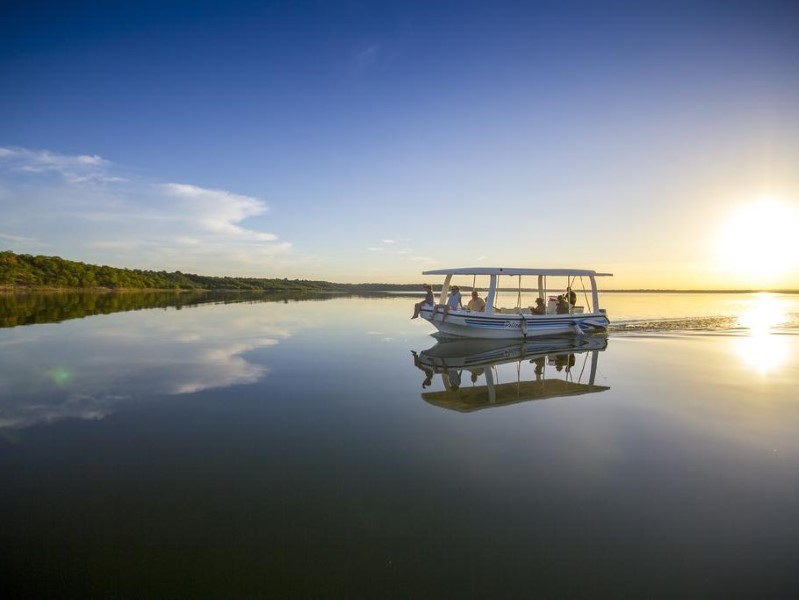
246,445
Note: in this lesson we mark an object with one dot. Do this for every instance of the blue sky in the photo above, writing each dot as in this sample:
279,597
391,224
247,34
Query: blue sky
362,141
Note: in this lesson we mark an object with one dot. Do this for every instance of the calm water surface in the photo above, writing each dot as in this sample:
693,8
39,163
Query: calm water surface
332,448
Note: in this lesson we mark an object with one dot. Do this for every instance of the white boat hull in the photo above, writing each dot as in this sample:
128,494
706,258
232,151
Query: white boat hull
513,326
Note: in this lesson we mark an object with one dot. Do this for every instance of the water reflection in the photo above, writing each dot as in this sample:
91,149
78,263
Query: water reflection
762,313
763,350
88,369
42,307
546,368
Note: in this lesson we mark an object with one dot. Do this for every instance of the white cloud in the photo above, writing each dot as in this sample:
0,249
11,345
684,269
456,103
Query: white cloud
367,58
15,238
219,211
75,169
391,251
86,208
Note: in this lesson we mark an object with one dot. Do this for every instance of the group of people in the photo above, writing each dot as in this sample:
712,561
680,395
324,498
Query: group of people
450,376
477,304
454,302
562,307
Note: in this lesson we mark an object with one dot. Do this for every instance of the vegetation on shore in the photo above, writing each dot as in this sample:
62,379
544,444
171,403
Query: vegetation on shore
52,272
21,272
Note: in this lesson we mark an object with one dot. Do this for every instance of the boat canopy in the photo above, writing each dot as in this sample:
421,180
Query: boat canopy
514,271
494,274
468,399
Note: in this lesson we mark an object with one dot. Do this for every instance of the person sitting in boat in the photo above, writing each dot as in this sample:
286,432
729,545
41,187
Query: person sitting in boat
476,304
564,360
539,367
540,308
572,296
476,373
428,300
562,307
453,303
454,377
428,372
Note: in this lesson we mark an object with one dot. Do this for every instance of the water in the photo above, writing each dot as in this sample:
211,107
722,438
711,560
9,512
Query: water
330,447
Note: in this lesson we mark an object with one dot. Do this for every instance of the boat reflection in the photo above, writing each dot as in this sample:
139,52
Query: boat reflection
544,368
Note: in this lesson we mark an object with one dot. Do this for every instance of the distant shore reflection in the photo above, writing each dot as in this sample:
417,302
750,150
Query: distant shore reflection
35,308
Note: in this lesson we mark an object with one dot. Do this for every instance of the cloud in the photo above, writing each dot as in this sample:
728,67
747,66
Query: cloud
219,211
75,169
16,238
389,247
87,208
367,58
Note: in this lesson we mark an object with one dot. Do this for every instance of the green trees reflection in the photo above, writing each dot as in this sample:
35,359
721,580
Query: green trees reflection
47,289
52,307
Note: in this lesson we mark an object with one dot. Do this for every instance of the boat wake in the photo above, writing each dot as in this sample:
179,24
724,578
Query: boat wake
719,324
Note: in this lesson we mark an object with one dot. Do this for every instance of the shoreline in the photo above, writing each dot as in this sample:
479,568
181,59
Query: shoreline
366,289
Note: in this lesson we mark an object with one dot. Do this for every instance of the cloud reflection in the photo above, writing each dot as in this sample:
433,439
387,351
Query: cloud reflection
88,369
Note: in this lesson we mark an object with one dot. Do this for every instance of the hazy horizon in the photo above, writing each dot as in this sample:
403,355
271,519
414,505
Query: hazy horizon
436,286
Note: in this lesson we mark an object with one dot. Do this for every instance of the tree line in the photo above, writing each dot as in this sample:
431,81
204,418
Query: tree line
27,271
61,305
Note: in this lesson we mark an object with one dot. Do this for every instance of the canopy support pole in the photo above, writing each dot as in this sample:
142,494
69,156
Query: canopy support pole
492,292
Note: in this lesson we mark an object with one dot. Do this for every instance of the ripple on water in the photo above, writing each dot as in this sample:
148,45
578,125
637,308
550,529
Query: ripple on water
719,324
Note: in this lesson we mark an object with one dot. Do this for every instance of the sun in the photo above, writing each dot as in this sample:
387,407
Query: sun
757,243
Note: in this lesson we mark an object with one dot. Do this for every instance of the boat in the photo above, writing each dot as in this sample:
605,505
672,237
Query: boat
549,367
580,314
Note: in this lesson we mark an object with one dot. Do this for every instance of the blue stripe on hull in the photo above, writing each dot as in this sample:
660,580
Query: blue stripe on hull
510,326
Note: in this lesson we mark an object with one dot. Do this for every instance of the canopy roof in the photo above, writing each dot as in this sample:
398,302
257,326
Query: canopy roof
514,271
468,399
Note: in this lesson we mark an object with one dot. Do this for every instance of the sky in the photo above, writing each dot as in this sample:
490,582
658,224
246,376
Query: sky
369,141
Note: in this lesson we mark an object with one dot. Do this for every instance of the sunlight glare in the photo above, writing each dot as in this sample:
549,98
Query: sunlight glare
764,314
757,240
762,353
762,350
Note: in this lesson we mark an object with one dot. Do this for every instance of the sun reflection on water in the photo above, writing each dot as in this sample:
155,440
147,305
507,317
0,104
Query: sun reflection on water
762,349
